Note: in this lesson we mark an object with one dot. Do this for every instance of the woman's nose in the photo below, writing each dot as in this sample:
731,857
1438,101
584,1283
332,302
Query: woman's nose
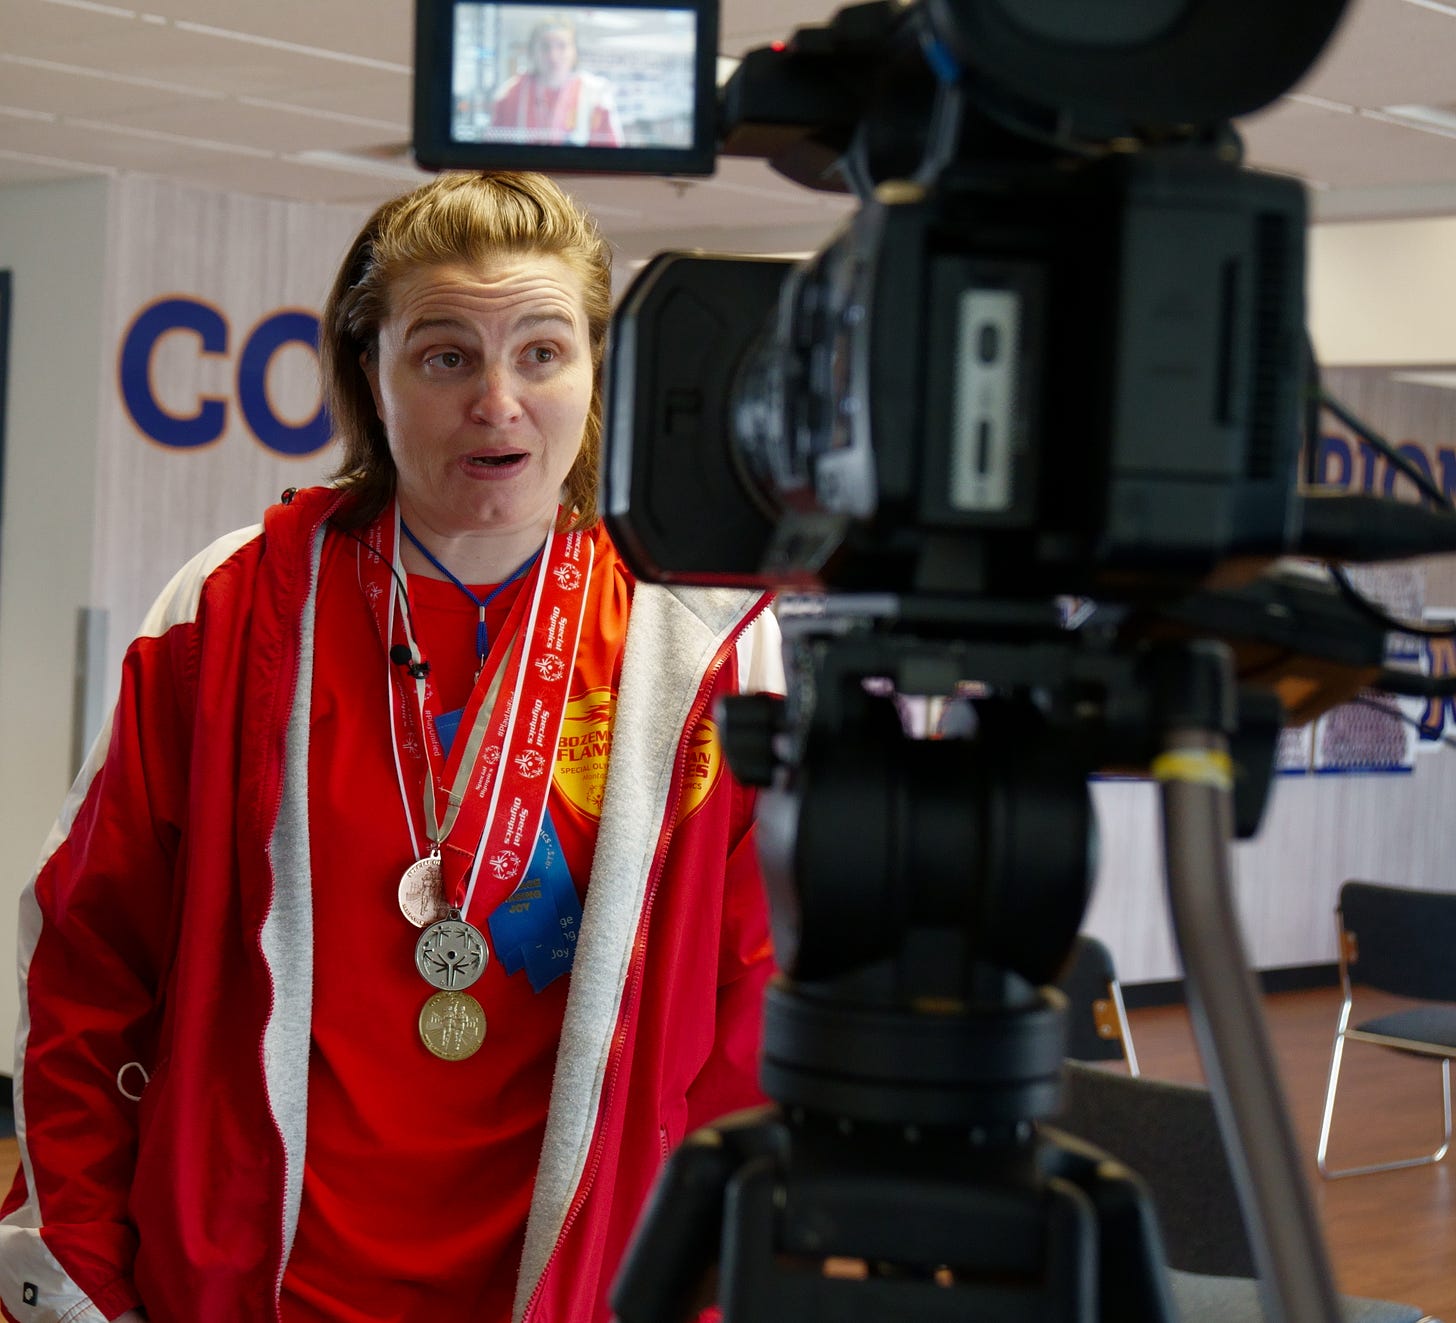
496,401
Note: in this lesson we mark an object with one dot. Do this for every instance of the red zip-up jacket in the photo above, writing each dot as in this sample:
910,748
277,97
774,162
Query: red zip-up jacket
165,953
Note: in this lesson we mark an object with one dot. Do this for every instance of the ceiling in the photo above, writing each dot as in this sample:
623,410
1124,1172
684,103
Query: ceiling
310,99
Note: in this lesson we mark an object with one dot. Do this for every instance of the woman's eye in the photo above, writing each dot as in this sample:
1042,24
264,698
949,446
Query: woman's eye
541,354
448,358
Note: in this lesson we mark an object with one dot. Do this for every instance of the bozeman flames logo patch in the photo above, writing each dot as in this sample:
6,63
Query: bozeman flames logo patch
586,740
582,748
704,767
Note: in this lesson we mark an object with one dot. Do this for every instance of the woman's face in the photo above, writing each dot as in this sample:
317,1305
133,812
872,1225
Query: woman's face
555,55
482,377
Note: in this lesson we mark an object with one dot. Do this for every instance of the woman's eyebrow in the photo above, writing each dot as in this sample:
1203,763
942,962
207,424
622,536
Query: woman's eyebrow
531,321
433,324
527,322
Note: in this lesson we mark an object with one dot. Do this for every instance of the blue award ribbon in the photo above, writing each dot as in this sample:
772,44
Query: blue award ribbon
535,928
447,725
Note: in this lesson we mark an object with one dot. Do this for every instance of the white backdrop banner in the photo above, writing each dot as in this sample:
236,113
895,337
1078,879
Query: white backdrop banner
210,396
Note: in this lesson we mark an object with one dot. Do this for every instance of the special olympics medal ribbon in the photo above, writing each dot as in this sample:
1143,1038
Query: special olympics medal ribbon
500,814
449,956
528,725
501,784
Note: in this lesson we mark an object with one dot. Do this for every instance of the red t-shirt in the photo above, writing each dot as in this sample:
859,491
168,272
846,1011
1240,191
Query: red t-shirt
418,1172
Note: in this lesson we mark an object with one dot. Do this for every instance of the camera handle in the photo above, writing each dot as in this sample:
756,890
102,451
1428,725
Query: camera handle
904,1149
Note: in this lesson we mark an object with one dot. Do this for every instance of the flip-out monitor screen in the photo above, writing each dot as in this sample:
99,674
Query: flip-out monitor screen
601,87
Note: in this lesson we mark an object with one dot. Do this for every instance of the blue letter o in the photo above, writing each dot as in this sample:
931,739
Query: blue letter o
270,335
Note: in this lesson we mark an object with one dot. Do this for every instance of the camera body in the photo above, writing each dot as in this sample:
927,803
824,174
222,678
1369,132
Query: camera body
1009,382
1058,350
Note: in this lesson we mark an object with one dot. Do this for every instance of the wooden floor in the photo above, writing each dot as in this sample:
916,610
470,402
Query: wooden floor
1391,1235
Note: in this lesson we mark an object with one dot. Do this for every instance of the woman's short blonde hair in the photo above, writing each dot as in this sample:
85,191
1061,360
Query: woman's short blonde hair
459,217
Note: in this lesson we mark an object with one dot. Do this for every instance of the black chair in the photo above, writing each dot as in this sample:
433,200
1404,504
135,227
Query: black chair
1168,1134
1097,1028
1397,940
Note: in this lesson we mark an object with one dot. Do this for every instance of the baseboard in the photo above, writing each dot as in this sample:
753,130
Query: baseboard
1290,978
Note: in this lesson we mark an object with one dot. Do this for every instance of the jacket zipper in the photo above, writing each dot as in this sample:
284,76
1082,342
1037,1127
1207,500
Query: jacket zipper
710,678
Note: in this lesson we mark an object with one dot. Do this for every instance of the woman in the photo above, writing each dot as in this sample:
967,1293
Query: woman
556,102
308,1031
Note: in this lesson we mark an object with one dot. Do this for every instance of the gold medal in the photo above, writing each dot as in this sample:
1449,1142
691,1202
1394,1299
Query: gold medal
452,1025
422,892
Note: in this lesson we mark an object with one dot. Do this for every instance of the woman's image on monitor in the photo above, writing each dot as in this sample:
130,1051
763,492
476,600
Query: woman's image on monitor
555,100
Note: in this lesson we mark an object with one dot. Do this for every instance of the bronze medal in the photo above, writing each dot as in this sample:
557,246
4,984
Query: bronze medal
452,1025
422,892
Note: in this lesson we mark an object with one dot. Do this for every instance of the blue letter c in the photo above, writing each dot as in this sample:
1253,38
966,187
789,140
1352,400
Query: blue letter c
151,324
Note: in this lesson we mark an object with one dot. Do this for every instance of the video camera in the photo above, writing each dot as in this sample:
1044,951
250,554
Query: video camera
1059,348
1058,351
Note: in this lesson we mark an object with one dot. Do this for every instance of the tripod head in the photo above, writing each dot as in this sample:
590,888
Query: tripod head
923,890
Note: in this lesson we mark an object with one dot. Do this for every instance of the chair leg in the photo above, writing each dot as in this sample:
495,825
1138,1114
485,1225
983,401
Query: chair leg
1446,1108
1322,1152
1124,1030
1330,1086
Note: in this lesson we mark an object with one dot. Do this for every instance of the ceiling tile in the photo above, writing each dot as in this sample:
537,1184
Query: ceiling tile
18,167
93,148
1387,52
251,125
219,73
54,86
1342,150
282,178
377,29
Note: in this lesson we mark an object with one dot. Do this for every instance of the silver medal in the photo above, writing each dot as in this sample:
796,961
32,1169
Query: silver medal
451,954
422,892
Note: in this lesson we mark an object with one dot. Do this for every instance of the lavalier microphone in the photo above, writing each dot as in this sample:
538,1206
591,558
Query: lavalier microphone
402,655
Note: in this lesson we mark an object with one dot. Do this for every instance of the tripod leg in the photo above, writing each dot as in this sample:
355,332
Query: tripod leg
667,1274
1058,1233
1132,1277
1294,1273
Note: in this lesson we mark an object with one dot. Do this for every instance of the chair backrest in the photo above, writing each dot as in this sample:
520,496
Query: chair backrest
1095,1028
1169,1135
1403,938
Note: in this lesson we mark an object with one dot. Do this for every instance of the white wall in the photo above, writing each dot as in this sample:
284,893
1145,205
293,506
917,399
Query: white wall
1317,833
53,241
1383,291
245,258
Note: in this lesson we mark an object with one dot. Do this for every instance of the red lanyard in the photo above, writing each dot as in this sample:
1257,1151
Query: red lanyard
499,767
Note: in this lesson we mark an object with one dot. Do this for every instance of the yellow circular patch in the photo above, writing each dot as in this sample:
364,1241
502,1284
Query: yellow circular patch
704,766
582,749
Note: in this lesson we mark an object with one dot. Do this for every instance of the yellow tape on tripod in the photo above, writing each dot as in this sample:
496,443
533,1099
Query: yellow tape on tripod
1204,767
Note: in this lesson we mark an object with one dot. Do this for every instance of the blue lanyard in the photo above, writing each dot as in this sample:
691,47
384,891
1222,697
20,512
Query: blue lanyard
482,642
